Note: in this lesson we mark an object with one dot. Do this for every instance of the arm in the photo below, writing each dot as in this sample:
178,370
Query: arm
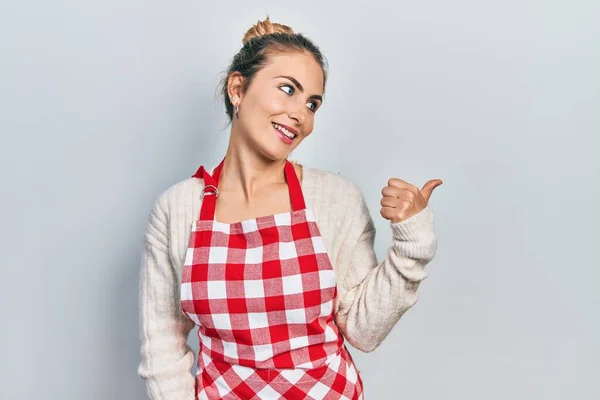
166,358
379,293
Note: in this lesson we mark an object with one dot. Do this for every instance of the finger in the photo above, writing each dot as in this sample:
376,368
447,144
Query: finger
428,188
400,193
388,212
402,184
394,202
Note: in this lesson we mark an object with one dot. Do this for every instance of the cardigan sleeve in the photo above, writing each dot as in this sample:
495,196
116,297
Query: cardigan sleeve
166,359
379,293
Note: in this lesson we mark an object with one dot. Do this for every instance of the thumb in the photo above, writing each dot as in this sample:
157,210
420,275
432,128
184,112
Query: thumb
428,188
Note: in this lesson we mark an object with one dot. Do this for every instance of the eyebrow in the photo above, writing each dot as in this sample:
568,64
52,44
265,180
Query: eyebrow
301,88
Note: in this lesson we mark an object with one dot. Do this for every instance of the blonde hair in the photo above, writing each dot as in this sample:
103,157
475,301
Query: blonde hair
260,41
265,27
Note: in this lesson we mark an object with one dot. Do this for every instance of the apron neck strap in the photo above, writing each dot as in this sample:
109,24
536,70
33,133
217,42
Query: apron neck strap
296,196
210,192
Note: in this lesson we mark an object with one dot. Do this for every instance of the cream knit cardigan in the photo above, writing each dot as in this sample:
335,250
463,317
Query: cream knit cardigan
372,295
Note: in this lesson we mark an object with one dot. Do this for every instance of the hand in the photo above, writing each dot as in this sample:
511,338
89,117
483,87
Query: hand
401,200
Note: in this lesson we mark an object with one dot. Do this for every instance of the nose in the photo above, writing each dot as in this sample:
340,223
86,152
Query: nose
298,116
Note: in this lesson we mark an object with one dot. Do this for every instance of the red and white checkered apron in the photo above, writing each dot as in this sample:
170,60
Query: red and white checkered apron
262,292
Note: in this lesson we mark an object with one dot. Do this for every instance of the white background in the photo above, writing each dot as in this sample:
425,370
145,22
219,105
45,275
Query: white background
105,104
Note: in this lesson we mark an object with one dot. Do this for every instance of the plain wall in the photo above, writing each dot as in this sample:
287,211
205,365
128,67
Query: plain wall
105,104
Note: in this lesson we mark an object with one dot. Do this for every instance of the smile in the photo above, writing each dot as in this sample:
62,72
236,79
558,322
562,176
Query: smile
284,131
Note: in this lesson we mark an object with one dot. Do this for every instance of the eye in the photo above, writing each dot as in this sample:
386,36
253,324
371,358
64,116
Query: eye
290,89
312,105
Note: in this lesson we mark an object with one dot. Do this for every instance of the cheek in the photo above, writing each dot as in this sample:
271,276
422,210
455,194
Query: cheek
309,125
273,104
262,104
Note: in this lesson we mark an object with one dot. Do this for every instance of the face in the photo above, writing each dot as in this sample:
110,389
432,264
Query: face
277,111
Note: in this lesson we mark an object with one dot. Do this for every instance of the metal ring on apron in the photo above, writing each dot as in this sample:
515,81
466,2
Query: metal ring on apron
215,192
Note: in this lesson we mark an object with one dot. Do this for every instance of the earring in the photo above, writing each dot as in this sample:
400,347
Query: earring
237,108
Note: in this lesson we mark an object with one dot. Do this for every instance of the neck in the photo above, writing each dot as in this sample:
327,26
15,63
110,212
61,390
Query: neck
249,171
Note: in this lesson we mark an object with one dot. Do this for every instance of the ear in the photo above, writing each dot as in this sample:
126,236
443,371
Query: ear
234,85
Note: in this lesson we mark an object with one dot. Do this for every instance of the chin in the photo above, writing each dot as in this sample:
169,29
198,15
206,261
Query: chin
275,152
274,155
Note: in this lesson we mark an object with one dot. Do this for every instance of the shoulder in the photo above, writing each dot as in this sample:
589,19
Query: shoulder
180,191
331,185
176,199
337,201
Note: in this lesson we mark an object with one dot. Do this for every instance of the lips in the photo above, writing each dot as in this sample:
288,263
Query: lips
288,132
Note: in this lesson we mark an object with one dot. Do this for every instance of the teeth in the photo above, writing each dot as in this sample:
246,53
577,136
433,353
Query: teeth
284,131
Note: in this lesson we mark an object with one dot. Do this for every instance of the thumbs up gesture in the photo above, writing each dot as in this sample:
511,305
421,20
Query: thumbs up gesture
401,200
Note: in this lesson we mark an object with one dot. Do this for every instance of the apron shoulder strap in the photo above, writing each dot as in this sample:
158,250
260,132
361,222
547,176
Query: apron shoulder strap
296,196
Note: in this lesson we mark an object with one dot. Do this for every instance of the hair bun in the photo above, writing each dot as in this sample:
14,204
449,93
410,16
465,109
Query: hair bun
265,27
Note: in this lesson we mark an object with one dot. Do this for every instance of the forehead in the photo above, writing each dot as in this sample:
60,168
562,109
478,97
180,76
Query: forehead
301,66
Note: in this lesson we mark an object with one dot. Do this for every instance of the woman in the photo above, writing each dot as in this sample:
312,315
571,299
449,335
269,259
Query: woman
274,261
